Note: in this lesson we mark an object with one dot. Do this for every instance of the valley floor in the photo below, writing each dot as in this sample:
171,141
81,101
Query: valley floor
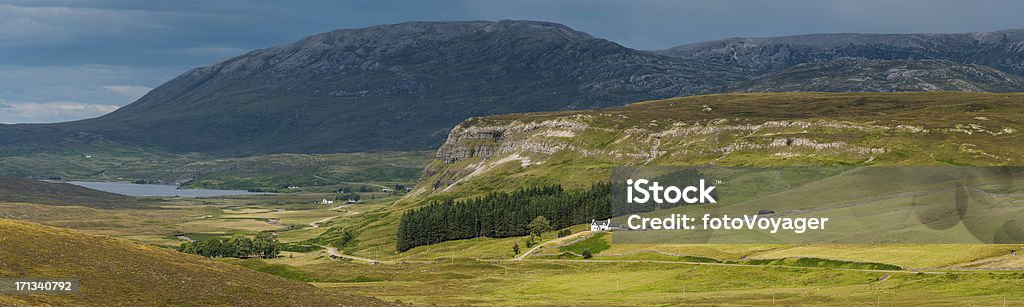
645,282
485,271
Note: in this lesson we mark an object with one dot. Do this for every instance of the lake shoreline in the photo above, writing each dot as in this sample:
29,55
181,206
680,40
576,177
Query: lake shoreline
153,190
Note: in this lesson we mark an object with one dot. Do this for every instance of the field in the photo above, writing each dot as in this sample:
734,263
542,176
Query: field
295,216
644,282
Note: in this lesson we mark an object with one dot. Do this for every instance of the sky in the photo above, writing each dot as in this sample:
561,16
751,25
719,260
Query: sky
64,60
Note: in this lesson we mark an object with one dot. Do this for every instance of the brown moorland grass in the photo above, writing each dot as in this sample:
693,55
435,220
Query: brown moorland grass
116,272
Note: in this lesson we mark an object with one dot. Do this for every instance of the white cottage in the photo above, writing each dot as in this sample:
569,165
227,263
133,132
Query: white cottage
606,225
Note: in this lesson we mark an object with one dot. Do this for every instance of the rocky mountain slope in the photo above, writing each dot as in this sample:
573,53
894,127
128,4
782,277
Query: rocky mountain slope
403,86
391,87
864,75
576,148
1003,50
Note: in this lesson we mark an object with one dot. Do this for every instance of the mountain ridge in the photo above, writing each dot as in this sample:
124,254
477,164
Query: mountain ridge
359,90
1003,49
865,75
403,86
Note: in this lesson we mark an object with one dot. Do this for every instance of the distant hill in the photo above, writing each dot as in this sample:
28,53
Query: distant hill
403,86
18,190
1003,50
116,272
864,75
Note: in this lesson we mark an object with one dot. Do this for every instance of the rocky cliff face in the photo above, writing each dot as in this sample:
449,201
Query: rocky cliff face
747,129
469,141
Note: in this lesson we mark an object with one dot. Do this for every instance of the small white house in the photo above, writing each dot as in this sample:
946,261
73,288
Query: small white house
606,225
385,190
326,202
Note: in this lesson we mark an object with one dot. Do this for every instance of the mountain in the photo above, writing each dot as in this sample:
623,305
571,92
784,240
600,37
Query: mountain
1002,50
865,75
403,86
18,190
391,87
117,272
577,148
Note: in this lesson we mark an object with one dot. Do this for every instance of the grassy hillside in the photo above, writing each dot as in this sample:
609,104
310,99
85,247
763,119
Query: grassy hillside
577,148
580,147
118,272
667,282
15,190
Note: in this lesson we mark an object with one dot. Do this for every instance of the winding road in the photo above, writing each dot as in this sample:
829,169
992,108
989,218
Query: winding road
334,252
316,224
556,242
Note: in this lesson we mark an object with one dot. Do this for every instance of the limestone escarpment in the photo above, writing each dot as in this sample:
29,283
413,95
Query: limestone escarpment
738,129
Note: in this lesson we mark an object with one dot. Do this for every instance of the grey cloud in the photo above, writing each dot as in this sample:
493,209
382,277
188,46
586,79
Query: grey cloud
132,92
214,50
48,112
78,82
47,25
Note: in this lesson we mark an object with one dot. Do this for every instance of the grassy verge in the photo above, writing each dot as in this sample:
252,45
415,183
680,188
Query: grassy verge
595,244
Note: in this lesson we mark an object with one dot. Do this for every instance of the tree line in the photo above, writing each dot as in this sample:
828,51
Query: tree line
500,214
264,245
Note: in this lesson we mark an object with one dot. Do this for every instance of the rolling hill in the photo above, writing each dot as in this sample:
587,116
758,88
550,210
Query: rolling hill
762,129
578,148
403,86
17,190
142,275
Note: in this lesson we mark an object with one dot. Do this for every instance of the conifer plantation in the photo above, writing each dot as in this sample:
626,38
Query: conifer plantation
499,215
